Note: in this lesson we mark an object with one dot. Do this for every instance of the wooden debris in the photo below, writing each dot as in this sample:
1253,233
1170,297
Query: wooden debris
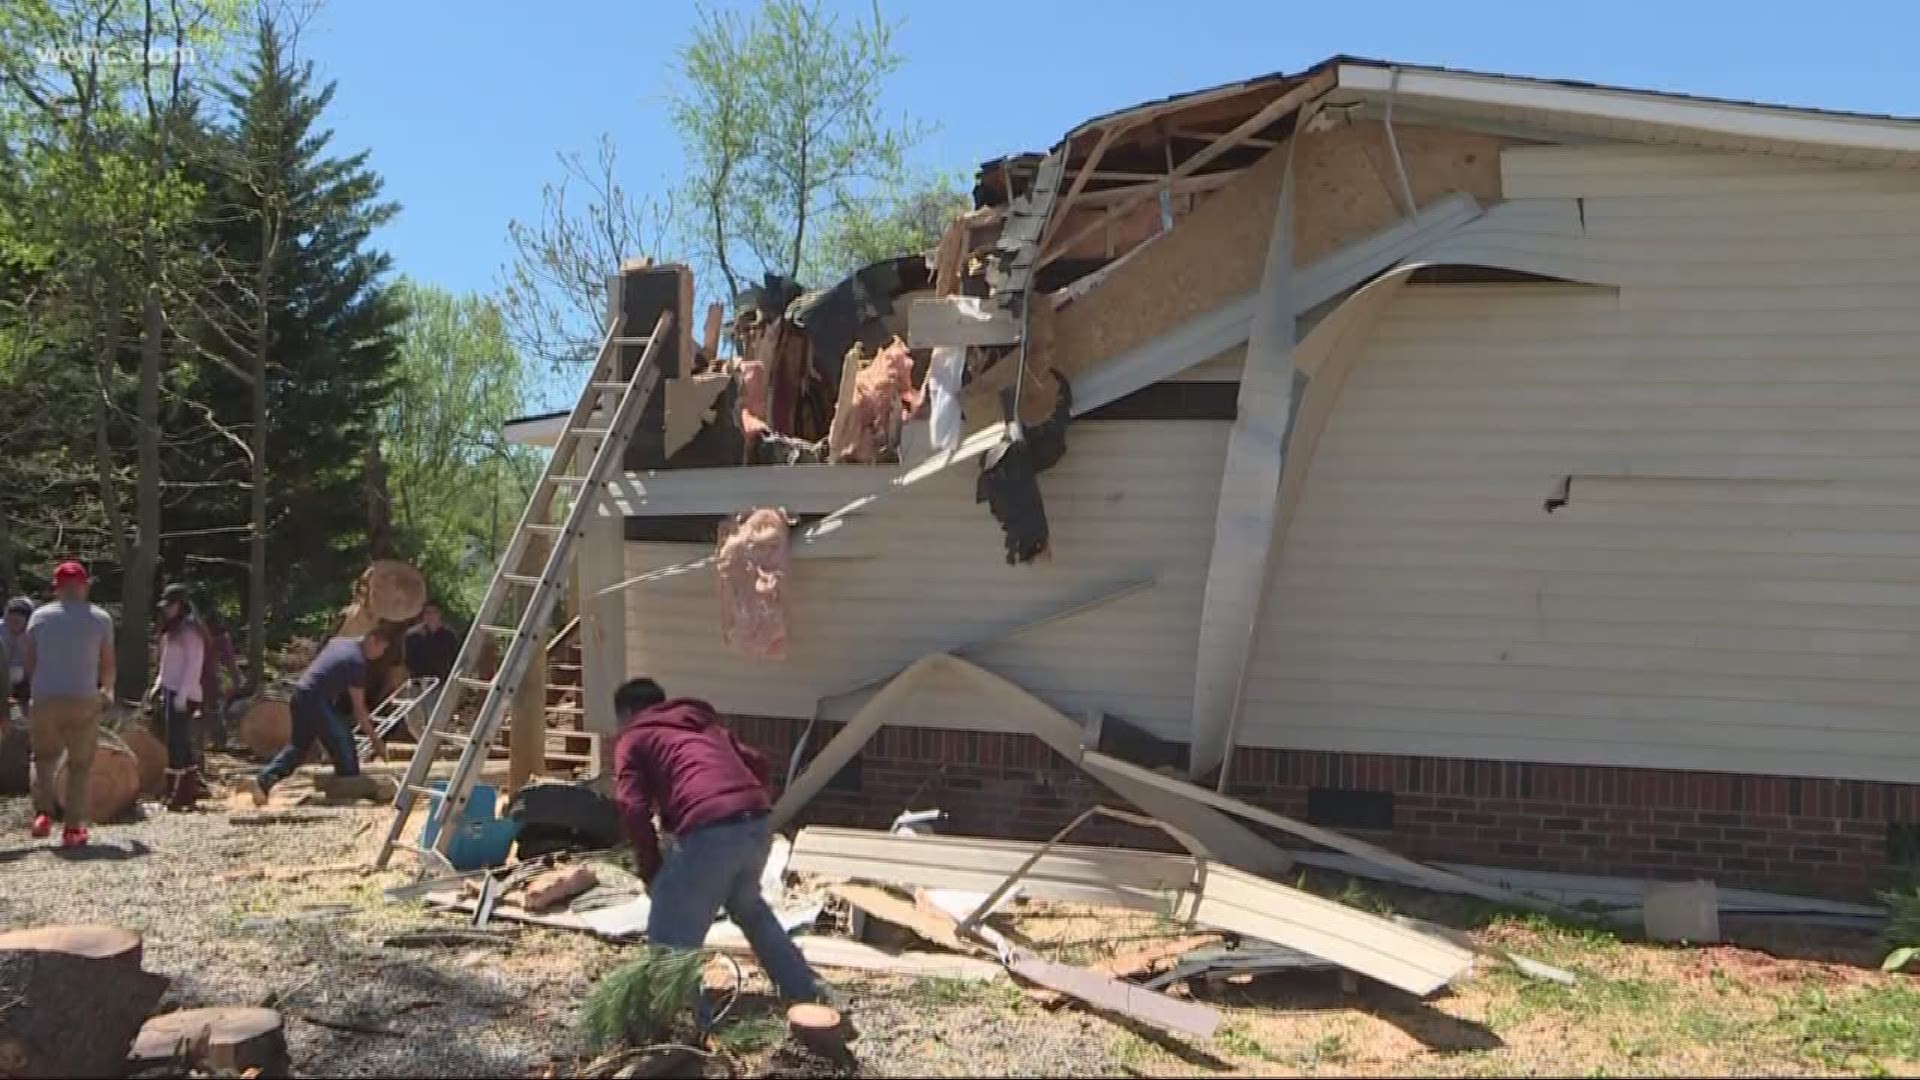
1142,961
932,925
446,938
75,999
227,1038
364,787
1112,995
555,887
830,952
959,321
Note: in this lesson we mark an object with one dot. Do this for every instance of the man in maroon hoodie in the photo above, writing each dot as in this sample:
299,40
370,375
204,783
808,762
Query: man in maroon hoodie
675,758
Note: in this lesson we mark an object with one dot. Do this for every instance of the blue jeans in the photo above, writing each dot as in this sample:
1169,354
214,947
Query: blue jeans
176,715
719,866
313,719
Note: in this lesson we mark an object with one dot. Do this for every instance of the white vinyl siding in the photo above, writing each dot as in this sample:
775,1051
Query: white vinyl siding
1735,582
1131,500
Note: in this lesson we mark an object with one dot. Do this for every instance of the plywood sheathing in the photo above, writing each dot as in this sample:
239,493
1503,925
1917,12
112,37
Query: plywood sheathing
1347,190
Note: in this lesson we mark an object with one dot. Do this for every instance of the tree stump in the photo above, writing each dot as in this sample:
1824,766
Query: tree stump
151,755
112,787
75,998
228,1038
819,1028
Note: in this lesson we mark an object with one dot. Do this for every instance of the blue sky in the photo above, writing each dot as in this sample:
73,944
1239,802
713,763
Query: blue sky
464,105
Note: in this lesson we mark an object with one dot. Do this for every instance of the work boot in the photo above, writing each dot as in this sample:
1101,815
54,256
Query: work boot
197,788
73,836
182,788
42,826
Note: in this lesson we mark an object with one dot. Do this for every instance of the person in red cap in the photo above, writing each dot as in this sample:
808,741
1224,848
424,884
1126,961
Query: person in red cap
70,667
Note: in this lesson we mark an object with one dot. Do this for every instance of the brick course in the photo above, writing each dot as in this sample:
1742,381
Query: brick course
1825,837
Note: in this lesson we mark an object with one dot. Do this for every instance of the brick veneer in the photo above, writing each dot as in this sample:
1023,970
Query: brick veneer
1827,837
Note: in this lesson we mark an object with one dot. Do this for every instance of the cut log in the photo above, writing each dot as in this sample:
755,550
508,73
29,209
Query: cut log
108,944
268,725
75,998
227,1038
819,1028
112,787
151,755
391,591
556,887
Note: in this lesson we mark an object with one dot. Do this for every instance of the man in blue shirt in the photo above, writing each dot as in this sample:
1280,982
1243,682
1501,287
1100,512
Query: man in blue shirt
339,668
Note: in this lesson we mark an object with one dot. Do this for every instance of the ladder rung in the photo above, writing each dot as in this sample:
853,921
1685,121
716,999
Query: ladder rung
575,709
551,530
588,432
503,631
421,789
474,684
522,579
632,340
609,386
447,736
581,481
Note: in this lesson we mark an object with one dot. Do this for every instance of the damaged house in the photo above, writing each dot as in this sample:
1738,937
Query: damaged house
1508,471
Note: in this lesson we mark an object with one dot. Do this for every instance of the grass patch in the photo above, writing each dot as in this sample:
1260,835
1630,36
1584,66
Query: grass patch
1326,1050
1874,1024
1240,1044
1560,942
751,1034
1130,1050
938,993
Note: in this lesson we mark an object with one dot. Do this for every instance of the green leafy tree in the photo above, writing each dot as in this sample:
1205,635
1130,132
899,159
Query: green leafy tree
788,148
457,486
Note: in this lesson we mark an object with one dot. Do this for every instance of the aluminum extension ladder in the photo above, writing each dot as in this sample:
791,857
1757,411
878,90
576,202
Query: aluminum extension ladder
393,712
600,427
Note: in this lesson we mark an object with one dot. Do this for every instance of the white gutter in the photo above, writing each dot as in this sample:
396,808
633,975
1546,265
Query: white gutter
1739,121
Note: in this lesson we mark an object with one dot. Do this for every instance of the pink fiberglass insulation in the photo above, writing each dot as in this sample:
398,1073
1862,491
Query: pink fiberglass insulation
752,561
755,399
883,396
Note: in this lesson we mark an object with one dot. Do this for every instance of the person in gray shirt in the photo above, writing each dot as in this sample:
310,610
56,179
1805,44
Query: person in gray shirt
70,666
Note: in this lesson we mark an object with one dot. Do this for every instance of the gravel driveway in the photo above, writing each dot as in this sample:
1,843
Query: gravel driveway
211,894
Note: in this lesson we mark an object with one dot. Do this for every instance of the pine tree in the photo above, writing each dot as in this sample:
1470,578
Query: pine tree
283,204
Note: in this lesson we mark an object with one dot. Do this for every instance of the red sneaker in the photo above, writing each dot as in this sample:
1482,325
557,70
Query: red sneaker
73,838
42,827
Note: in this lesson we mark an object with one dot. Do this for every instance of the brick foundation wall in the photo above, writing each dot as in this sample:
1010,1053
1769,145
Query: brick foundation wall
1821,837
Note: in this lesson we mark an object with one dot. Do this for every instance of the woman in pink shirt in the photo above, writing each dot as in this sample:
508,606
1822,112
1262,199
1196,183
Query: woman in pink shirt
183,650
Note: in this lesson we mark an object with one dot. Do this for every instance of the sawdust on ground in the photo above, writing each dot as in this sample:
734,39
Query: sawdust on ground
234,906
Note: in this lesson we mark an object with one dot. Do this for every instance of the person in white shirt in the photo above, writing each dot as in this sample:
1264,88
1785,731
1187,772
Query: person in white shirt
183,651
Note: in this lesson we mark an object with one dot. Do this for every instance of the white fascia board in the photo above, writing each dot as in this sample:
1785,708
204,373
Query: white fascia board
1774,124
